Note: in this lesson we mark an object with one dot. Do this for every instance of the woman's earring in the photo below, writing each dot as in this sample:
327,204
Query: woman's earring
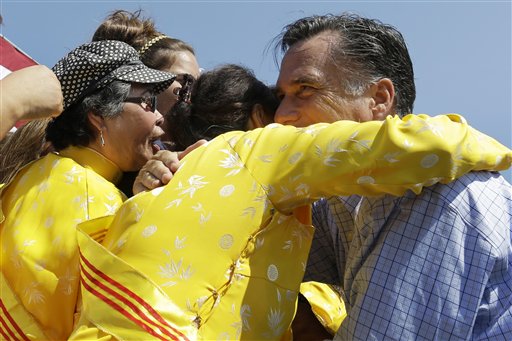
102,140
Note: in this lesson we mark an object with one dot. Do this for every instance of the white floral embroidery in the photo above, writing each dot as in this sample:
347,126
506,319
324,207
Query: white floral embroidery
67,281
295,158
174,269
15,258
249,211
434,127
245,314
391,157
266,158
137,211
204,218
111,196
275,320
179,243
248,142
195,182
29,242
72,175
34,294
111,209
232,161
259,242
175,202
149,231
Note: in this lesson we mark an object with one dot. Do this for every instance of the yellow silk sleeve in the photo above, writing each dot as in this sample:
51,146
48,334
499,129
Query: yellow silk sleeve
370,158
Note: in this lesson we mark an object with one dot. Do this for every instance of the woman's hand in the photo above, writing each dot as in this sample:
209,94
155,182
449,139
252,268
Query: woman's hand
161,168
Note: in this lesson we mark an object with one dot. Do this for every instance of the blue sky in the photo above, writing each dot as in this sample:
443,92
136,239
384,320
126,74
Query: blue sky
461,50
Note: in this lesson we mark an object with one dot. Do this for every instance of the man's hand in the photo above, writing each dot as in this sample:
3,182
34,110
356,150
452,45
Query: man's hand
160,169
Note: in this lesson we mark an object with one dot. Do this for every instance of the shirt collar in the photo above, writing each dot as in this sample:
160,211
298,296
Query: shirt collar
91,159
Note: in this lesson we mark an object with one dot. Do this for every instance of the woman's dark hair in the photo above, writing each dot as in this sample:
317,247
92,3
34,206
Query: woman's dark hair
222,100
72,127
157,51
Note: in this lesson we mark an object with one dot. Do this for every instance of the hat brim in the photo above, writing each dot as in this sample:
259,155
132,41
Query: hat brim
136,72
161,79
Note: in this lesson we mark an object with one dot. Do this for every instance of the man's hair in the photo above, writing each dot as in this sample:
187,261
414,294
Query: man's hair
366,50
72,127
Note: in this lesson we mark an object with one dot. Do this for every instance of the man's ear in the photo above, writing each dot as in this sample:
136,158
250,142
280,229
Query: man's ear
258,117
383,94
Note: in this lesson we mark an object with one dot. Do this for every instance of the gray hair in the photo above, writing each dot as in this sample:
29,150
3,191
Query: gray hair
72,127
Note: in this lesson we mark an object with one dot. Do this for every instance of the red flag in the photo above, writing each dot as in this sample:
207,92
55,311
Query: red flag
12,58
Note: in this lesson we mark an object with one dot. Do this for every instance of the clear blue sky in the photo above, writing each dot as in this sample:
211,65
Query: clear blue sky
461,50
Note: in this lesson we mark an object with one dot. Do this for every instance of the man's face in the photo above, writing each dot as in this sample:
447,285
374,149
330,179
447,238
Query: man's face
311,89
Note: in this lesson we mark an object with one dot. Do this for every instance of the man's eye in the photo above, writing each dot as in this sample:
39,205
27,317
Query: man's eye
305,90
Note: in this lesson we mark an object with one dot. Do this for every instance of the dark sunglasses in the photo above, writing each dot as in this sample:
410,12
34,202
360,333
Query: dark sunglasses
148,101
186,80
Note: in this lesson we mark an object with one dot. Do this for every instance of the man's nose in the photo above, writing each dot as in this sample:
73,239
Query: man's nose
286,113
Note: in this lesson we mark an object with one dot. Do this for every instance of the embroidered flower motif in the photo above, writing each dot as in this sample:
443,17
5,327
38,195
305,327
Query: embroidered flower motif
232,161
34,295
275,320
149,231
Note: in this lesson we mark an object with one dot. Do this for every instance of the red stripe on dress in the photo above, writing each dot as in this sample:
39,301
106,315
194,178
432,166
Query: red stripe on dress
120,309
2,333
13,323
138,311
131,294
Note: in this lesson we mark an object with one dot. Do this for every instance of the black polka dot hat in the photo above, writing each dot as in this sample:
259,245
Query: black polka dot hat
93,66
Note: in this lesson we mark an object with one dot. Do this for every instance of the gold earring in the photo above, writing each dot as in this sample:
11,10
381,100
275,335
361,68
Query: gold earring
102,140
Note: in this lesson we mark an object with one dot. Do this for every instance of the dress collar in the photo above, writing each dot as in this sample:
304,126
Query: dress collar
91,159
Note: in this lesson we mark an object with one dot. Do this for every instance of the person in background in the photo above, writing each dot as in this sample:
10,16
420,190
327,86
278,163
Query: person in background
30,93
26,144
219,252
433,265
108,125
157,51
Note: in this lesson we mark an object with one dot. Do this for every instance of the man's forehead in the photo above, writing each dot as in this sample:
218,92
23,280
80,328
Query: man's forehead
306,61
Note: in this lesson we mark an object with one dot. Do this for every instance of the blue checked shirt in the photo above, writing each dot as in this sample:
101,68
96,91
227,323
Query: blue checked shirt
437,266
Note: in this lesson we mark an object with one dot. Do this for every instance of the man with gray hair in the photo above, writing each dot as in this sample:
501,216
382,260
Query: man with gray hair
433,266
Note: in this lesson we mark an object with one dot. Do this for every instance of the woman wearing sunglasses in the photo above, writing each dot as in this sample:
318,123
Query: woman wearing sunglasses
108,126
157,51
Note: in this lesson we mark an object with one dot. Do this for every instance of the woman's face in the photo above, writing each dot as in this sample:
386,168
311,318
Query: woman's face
129,137
184,63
